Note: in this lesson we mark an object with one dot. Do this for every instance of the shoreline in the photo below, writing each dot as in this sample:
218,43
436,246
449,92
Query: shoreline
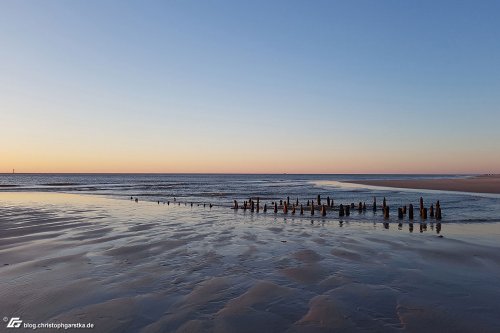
479,184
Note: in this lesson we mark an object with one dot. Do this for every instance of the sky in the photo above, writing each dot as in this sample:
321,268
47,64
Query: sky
250,86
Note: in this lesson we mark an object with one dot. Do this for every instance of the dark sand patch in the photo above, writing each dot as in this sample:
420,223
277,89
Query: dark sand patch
307,256
305,274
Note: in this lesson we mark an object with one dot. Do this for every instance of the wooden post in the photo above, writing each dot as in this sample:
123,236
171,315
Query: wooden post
424,213
386,212
438,213
404,209
275,207
297,202
319,200
281,202
331,203
431,210
410,212
323,210
252,206
301,210
293,210
285,208
235,206
364,206
265,208
347,210
352,205
288,201
421,206
374,204
312,208
307,203
328,201
384,204
341,210
400,213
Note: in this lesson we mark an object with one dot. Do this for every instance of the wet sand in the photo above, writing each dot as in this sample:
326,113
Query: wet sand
144,267
478,184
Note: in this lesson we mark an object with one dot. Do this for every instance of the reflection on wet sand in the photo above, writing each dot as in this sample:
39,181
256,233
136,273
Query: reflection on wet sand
144,267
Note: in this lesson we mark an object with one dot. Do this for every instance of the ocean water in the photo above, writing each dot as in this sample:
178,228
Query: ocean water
222,189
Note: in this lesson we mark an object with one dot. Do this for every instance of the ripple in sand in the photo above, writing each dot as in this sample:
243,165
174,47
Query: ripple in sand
305,274
307,256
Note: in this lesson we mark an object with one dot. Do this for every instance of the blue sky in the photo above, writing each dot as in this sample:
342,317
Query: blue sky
250,86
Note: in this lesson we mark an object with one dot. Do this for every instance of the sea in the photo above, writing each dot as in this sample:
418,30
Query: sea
221,189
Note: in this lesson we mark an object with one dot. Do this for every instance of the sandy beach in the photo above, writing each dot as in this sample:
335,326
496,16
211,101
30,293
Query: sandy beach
144,267
478,184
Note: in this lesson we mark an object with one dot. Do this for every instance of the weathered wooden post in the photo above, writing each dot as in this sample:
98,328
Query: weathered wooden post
400,213
364,206
312,208
384,204
235,206
410,212
331,203
347,210
307,203
293,210
323,210
424,213
301,210
288,201
275,207
319,200
421,206
404,210
168,203
386,212
328,201
252,206
360,207
265,208
431,210
341,210
352,205
281,202
285,208
374,204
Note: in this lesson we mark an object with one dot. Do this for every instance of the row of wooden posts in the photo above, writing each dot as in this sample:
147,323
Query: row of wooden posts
344,210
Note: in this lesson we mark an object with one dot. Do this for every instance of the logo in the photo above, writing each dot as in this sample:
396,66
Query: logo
14,322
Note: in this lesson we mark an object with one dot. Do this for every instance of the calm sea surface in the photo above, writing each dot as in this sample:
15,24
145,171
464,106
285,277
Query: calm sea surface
222,189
